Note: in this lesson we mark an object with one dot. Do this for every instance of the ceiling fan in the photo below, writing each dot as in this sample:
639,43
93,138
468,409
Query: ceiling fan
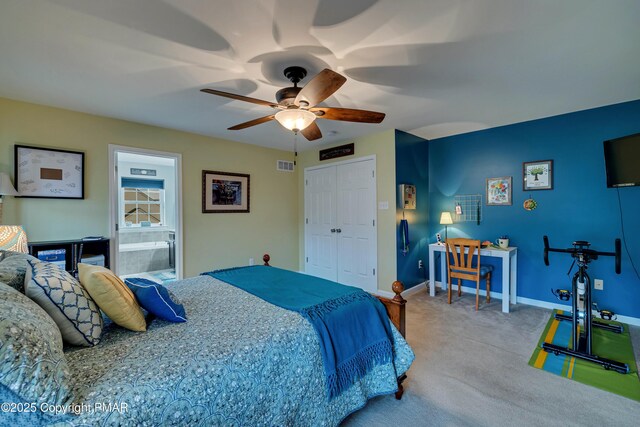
297,105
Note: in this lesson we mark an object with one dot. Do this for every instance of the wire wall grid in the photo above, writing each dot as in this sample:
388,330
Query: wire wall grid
470,208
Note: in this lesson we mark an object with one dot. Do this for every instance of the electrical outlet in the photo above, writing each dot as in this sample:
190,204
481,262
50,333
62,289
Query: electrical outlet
598,284
250,261
420,264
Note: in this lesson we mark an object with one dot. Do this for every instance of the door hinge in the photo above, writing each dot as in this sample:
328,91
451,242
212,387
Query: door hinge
374,222
306,220
373,174
116,168
374,271
116,227
306,182
307,259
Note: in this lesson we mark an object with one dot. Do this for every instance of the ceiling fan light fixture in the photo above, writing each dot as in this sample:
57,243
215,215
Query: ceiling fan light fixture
295,119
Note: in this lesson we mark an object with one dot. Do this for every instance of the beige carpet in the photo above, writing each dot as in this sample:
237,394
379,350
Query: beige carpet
471,370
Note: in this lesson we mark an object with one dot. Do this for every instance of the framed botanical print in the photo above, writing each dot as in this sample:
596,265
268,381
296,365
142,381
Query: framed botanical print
537,175
499,191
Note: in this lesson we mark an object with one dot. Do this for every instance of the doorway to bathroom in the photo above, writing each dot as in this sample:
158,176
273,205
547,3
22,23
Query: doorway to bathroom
146,213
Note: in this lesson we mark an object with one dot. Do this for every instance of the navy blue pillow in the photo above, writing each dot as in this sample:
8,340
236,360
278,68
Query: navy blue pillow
156,299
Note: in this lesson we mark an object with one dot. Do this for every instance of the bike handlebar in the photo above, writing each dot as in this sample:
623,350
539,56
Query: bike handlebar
593,253
546,250
618,247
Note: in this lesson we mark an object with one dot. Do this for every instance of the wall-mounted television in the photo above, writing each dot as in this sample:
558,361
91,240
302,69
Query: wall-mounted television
622,161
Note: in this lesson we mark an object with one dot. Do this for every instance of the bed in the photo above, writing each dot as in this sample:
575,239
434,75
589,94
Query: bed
237,361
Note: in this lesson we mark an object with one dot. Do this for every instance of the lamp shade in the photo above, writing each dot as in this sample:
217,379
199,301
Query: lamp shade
6,188
445,218
295,119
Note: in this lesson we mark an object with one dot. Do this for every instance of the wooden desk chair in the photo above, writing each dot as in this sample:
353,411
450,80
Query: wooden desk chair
463,267
13,238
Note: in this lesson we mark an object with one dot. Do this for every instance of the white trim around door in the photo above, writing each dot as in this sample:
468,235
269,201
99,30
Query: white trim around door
114,201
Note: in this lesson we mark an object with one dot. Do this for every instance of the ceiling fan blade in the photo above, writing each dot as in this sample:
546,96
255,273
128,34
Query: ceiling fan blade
240,97
253,122
312,132
348,114
322,86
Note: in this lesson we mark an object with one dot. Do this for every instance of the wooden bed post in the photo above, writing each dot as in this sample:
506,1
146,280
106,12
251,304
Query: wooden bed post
396,310
266,258
396,307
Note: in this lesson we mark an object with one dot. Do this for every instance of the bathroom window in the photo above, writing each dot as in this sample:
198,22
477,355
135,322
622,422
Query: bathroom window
143,202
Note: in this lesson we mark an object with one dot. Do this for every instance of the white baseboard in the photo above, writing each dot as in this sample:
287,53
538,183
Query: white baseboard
385,294
412,290
468,289
554,306
537,303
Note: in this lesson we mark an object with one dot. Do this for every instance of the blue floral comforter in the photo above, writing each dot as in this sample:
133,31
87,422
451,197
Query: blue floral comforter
237,361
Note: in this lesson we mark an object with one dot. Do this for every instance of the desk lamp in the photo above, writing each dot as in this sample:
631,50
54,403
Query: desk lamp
6,189
445,219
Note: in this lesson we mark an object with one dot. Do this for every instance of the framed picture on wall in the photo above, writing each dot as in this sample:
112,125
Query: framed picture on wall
224,192
49,173
499,191
537,175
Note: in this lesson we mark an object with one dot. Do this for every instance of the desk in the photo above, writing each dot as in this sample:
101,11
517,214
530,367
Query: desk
509,258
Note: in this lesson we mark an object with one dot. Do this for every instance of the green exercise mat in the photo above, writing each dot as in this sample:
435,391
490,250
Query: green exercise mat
605,344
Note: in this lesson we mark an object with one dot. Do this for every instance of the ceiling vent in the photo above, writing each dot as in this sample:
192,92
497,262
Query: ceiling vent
285,166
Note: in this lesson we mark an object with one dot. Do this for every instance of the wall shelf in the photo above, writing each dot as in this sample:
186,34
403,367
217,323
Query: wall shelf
74,250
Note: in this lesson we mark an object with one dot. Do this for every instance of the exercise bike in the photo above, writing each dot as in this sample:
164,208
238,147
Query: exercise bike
581,315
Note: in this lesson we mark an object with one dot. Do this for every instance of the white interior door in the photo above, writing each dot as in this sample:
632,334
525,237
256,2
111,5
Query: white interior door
340,223
320,241
356,225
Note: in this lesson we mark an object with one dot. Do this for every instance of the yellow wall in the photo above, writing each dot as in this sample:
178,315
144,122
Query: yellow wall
383,146
211,240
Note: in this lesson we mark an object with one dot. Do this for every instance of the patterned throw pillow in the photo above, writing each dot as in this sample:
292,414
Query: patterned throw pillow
66,301
13,238
156,299
13,268
112,296
32,364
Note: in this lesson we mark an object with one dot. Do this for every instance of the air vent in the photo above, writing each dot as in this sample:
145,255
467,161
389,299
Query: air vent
285,166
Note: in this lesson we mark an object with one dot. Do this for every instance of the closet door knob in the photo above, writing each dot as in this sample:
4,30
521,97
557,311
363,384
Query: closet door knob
333,230
338,230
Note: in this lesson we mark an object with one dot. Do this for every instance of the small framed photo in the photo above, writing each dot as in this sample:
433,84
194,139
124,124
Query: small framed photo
537,175
499,191
49,173
224,192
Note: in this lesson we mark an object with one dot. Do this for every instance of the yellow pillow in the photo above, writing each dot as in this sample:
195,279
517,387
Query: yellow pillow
112,296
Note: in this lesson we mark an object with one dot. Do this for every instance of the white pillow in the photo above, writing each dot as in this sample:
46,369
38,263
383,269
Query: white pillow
66,301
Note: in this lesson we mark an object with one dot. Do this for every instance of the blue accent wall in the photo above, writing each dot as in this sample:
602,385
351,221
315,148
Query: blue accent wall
580,206
412,160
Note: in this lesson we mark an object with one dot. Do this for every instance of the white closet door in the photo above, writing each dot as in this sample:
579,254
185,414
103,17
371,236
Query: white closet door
356,225
340,224
320,241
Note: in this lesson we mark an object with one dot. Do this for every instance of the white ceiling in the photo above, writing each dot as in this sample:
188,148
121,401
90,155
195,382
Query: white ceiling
436,67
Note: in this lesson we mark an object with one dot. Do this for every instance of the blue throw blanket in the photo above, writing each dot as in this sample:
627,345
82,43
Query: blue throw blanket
352,325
